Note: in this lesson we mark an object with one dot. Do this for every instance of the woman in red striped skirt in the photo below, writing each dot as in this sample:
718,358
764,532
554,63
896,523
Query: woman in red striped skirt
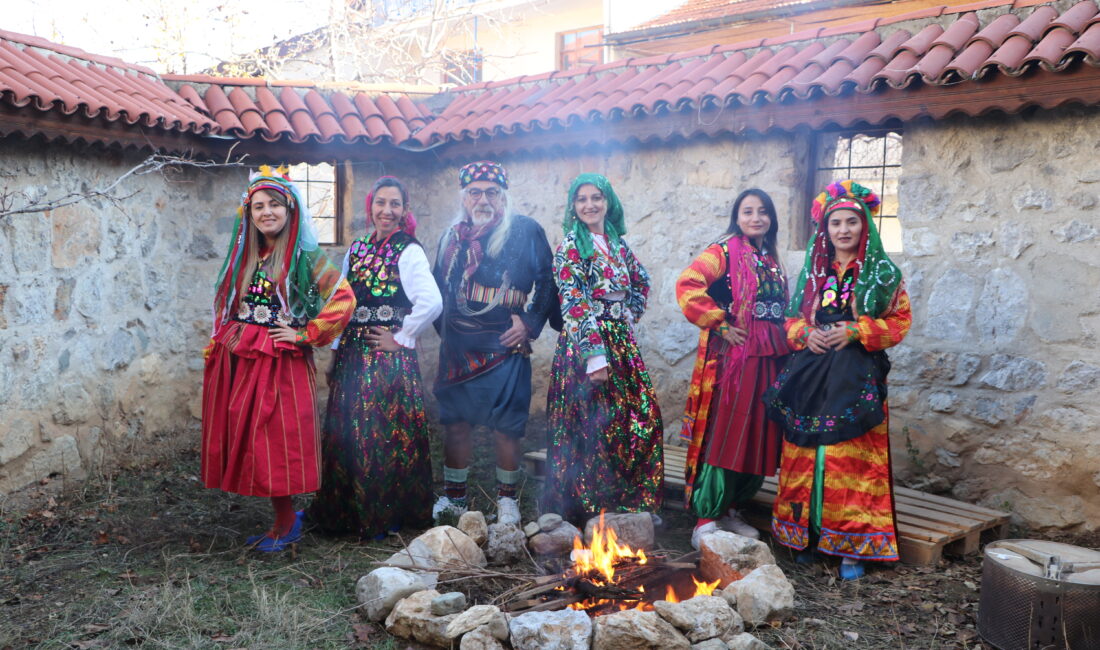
736,293
277,296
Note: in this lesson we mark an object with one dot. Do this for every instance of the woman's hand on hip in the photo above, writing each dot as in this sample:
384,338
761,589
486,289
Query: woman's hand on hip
382,339
733,335
284,334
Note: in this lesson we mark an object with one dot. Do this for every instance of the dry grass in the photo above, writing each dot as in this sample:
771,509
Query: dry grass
148,558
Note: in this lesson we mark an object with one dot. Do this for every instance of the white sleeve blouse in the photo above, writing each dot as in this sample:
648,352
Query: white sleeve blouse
420,287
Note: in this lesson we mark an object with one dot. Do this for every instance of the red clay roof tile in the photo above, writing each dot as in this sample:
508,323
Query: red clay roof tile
1010,55
959,33
998,30
1049,51
1076,17
797,68
1034,25
1088,43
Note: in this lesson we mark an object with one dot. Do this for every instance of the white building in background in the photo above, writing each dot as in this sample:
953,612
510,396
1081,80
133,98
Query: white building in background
448,42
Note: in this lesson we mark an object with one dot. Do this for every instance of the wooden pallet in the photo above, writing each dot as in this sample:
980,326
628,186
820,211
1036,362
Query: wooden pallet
928,525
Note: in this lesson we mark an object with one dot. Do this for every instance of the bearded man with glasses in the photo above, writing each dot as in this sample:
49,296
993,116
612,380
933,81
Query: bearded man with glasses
494,269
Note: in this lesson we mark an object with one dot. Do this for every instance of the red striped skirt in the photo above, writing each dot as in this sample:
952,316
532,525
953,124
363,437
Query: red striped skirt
740,436
259,417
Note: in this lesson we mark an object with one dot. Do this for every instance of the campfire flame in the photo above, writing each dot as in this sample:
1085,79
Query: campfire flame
605,552
702,588
597,563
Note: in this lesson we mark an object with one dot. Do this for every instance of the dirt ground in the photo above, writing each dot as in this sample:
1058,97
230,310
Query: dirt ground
146,557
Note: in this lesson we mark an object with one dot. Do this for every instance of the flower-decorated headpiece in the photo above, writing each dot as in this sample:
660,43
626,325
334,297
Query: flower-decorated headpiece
877,277
844,194
297,289
267,178
483,170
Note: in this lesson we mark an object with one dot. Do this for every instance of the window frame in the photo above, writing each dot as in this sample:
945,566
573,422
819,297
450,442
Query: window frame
559,44
341,193
804,228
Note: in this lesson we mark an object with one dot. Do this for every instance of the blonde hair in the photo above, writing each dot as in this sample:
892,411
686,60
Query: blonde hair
275,259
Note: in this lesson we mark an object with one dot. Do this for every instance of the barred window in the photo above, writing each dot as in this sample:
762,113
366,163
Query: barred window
872,159
321,191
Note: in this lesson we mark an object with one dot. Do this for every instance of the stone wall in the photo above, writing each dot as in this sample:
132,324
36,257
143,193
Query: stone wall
104,309
994,394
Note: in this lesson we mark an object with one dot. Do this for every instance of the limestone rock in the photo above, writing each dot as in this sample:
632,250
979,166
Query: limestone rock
1015,239
473,524
449,603
712,617
1002,309
634,529
728,556
412,619
763,595
710,644
1011,373
635,630
567,629
745,641
549,522
488,616
437,549
480,639
1078,377
556,542
531,529
950,306
674,613
379,590
1075,231
506,543
943,401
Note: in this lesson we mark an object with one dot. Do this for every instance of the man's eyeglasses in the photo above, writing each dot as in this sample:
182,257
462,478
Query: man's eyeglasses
492,193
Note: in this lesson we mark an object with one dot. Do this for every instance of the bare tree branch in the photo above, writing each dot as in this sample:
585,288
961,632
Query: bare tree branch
153,164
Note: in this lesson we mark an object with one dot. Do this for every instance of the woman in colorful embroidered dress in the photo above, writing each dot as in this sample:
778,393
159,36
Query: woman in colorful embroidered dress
605,431
735,292
835,481
277,295
375,457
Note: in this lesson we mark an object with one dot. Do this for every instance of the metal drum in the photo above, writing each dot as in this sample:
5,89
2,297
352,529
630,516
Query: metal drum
1039,595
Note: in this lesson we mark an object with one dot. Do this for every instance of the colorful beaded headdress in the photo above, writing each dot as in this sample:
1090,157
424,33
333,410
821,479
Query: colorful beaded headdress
483,170
877,277
850,193
297,289
614,223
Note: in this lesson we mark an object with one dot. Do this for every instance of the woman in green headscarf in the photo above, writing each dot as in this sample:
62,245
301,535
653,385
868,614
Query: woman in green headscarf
605,426
835,486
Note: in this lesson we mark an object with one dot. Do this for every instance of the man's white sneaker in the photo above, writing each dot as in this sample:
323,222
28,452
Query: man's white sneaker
700,532
734,523
446,507
507,511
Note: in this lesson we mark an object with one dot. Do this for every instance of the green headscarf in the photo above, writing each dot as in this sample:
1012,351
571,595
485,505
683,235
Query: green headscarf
614,225
878,277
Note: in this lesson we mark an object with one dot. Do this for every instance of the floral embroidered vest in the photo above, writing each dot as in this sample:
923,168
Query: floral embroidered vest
260,304
376,280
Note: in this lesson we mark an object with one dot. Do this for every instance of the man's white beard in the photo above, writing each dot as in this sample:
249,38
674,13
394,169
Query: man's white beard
481,218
